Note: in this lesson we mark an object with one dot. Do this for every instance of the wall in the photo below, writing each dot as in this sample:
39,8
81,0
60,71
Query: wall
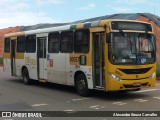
2,33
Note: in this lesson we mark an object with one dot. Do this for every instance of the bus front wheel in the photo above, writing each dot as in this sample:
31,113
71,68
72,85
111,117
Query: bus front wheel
81,85
25,76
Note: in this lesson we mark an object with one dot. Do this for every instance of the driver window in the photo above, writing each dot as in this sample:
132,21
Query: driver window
144,44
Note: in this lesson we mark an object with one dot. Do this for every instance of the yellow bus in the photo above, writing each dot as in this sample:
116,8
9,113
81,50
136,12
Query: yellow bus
108,55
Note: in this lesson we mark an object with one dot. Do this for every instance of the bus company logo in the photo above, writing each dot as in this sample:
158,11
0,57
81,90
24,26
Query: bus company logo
30,61
6,114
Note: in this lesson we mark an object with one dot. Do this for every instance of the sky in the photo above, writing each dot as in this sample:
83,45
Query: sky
31,12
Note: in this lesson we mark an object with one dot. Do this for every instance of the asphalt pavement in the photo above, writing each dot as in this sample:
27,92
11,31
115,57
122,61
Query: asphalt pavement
15,96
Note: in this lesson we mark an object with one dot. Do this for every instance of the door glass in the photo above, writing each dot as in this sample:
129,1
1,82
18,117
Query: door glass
13,66
42,58
99,59
42,47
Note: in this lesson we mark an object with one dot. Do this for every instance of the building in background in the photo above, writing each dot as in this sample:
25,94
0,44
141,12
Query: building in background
2,33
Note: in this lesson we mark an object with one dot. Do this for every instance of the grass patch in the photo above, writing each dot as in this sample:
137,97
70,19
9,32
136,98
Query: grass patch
158,78
1,61
158,71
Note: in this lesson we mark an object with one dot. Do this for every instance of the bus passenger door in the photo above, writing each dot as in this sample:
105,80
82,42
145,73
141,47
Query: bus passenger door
13,63
41,58
98,60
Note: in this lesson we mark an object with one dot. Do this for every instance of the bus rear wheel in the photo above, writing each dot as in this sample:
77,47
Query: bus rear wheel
25,76
81,85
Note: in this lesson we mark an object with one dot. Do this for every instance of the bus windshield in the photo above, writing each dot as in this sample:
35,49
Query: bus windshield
132,48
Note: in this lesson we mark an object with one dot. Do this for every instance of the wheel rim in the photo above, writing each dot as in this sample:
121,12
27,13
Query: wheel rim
81,86
25,77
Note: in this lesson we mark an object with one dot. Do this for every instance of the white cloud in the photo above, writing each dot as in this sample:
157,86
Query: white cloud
89,6
45,2
121,9
24,18
13,5
17,13
5,2
131,2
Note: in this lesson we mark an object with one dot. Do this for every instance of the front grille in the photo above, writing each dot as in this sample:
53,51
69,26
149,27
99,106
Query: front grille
137,78
132,86
135,71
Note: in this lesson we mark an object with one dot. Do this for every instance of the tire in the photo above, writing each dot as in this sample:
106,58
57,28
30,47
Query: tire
25,76
81,85
137,89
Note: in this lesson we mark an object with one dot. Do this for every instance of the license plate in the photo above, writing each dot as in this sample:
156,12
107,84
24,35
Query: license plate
137,84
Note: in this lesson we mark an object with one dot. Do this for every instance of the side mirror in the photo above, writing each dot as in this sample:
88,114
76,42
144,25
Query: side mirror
108,38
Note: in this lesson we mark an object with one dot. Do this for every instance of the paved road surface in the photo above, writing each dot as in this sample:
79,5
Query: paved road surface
15,96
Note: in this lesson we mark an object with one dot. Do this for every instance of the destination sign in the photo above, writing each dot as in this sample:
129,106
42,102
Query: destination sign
118,25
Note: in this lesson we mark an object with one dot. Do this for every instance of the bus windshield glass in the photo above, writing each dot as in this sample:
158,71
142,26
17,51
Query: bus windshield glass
132,48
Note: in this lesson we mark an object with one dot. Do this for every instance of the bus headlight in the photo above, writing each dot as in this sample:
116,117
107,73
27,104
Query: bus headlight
114,76
153,75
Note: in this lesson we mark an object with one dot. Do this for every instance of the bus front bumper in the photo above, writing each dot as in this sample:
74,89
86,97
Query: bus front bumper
114,85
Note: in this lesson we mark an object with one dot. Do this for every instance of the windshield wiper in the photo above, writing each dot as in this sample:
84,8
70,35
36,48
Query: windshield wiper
122,33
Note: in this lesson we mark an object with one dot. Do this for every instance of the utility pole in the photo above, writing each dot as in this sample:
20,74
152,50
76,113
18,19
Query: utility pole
154,10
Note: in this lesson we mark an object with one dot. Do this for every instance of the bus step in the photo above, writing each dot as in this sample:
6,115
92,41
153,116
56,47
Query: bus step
99,88
43,81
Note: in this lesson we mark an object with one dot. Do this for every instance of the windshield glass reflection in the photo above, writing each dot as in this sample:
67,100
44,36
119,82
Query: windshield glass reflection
132,48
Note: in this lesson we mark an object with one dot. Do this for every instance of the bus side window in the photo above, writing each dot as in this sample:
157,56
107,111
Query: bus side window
31,44
21,44
53,42
81,43
7,45
66,44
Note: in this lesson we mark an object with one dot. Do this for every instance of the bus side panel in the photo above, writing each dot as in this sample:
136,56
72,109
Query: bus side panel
19,63
73,66
70,70
56,71
87,70
7,63
31,64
